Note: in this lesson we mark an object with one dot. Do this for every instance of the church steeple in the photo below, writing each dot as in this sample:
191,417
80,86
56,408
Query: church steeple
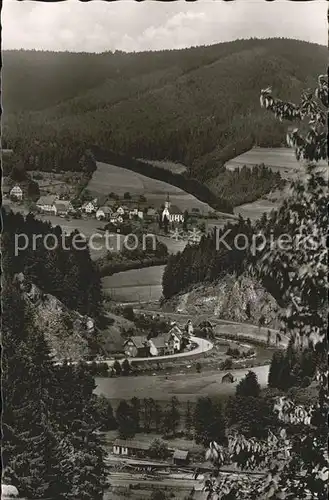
166,213
167,202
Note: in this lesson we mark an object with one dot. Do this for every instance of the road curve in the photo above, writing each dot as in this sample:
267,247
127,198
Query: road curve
203,346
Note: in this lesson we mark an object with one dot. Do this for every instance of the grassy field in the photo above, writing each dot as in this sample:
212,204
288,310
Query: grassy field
254,210
135,285
185,386
281,160
176,168
108,178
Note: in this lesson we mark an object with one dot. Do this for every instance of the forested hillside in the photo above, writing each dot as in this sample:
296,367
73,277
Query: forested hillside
199,106
65,271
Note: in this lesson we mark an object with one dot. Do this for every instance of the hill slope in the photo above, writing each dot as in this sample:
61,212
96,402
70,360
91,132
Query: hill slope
199,106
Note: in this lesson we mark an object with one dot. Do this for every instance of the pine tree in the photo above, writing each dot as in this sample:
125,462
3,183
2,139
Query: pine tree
125,418
248,386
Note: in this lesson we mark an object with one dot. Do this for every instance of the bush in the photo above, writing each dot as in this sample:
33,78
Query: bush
306,381
128,313
227,364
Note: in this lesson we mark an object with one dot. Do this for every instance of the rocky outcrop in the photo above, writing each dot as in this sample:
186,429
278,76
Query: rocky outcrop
67,332
241,299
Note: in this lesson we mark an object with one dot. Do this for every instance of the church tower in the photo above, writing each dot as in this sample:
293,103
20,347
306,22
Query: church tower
166,212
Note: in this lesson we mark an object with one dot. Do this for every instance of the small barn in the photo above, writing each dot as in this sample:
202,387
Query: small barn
227,378
181,457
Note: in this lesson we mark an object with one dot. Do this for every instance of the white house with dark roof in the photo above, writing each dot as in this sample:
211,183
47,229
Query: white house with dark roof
89,207
16,192
47,203
120,211
104,212
137,346
166,343
62,207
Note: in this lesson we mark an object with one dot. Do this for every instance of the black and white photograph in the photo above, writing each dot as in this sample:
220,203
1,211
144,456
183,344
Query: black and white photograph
164,219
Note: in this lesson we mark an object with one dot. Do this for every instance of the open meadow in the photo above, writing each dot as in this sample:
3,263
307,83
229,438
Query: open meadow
136,285
280,160
186,386
176,168
109,178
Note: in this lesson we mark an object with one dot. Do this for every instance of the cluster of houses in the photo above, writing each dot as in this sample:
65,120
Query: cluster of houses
15,192
109,211
168,343
140,449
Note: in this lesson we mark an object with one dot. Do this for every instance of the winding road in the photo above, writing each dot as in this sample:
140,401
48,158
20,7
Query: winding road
203,346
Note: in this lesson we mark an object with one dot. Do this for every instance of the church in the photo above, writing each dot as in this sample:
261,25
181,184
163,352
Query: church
172,213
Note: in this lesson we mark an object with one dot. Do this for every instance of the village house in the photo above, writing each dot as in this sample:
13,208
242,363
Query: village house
16,192
151,214
135,212
136,346
165,344
181,457
104,213
128,447
63,207
89,207
116,219
228,378
176,336
120,211
46,204
159,346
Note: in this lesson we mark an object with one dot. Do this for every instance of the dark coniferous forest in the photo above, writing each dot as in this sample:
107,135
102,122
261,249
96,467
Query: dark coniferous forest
50,414
198,106
66,271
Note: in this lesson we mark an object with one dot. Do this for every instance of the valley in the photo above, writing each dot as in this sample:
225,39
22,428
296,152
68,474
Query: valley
170,330
109,178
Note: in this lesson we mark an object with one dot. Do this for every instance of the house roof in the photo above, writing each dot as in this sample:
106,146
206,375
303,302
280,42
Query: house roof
228,376
62,204
47,200
138,341
161,340
17,187
91,202
176,331
105,209
129,443
180,454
